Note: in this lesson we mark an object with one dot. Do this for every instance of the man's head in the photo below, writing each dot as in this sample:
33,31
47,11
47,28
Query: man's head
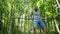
36,8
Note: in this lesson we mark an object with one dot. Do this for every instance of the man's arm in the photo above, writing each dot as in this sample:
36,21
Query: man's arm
42,18
30,16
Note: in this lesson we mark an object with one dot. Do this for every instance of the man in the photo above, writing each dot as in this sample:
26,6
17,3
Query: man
37,19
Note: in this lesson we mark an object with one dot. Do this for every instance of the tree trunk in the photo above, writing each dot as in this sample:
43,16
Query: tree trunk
56,25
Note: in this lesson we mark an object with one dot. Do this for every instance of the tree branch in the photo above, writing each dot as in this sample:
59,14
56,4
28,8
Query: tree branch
57,26
58,3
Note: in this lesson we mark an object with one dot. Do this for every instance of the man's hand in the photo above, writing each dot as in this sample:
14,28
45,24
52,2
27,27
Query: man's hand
43,18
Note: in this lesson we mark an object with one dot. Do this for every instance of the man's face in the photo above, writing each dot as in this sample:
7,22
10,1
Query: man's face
36,8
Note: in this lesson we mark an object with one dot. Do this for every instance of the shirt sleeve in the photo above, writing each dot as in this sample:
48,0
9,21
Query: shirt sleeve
32,12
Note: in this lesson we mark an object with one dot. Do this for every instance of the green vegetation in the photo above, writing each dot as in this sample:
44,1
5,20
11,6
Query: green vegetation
11,12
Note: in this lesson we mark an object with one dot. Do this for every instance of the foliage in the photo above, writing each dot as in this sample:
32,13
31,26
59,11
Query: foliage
12,10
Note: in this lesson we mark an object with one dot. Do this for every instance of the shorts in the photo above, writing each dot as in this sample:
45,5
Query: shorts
40,22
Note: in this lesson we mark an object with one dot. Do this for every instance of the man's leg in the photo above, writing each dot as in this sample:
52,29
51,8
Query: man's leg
44,31
35,30
35,24
42,26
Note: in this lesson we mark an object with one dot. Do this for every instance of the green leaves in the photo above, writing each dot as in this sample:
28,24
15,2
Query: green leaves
16,8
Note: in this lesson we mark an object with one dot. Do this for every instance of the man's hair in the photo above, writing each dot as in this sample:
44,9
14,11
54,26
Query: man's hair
36,8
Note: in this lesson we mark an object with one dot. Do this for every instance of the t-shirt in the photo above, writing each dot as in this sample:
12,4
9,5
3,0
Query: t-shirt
35,14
